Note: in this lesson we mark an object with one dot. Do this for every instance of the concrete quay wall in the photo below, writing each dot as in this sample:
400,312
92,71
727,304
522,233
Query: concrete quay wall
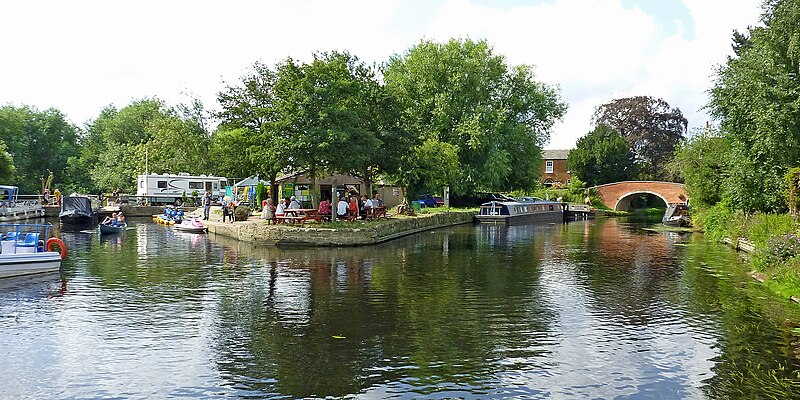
258,232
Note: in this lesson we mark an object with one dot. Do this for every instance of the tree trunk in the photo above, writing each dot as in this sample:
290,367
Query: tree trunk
273,188
367,183
312,176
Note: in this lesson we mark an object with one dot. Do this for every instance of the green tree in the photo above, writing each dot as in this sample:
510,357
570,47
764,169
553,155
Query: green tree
602,156
755,98
703,161
249,129
40,142
651,127
459,95
146,134
6,164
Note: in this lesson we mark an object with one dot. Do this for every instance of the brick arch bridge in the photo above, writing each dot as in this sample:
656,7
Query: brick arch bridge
618,195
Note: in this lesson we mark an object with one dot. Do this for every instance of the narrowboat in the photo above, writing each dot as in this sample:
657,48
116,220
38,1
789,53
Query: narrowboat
677,215
533,209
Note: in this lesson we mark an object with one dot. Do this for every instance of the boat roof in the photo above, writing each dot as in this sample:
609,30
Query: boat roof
520,203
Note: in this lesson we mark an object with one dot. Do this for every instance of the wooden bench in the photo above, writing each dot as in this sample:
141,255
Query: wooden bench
379,212
312,216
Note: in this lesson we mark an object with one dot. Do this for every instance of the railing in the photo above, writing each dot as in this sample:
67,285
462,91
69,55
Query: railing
24,238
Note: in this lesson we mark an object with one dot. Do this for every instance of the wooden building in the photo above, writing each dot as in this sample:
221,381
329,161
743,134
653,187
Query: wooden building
298,184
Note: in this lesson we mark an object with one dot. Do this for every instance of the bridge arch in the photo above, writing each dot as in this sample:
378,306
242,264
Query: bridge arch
617,195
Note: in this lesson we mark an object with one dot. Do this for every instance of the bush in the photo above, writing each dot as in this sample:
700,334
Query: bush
241,213
777,251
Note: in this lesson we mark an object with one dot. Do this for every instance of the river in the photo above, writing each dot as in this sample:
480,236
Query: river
591,309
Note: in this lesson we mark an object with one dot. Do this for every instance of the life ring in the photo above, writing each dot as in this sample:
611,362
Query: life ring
61,246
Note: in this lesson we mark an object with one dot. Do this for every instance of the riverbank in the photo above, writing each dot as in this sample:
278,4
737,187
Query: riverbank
771,240
358,233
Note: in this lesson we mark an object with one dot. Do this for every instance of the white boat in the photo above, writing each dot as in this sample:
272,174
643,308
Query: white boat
677,215
27,249
13,209
533,209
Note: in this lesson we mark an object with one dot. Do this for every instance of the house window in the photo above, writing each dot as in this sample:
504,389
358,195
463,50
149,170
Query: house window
548,169
548,182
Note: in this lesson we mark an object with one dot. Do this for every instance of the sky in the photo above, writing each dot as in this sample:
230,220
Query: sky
81,56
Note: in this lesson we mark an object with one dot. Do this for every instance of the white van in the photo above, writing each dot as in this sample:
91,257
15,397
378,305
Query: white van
162,189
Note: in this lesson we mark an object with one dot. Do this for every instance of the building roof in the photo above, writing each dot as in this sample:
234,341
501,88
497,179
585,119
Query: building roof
555,154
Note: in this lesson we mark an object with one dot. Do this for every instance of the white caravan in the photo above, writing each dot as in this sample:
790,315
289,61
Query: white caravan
155,188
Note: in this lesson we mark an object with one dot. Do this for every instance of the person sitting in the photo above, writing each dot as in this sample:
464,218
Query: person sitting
341,208
120,219
110,219
324,207
280,211
367,207
378,201
294,204
353,207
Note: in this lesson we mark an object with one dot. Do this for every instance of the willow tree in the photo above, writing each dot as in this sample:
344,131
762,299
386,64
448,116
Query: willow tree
479,121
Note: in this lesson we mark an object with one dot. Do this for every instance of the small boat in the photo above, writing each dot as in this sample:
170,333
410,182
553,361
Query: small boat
79,212
533,209
677,215
12,208
27,249
191,225
106,229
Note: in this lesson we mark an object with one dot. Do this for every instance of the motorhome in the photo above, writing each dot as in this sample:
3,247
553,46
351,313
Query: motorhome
172,189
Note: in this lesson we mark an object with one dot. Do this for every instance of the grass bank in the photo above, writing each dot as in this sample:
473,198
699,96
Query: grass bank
776,254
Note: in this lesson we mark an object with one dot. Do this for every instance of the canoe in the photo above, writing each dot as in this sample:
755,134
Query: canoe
109,229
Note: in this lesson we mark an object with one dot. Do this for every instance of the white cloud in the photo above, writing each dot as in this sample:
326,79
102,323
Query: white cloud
81,56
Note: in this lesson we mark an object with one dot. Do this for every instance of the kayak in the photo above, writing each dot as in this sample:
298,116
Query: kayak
109,229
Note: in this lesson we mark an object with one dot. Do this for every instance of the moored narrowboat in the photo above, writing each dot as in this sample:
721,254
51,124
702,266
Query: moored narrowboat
518,211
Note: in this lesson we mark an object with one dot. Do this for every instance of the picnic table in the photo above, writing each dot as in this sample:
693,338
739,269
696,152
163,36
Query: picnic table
300,215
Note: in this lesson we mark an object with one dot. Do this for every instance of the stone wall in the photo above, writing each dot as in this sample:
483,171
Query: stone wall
257,231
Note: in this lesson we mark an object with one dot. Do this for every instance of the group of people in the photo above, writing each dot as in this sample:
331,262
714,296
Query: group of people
360,206
116,219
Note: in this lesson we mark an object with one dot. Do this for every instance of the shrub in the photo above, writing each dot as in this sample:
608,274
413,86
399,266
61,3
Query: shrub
778,250
241,213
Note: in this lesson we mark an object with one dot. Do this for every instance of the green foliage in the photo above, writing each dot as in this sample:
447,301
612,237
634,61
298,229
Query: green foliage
462,95
792,180
261,194
242,212
755,97
38,143
651,127
602,156
6,164
146,133
703,161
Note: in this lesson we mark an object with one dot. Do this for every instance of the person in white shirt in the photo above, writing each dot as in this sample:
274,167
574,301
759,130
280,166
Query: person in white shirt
294,205
280,211
341,208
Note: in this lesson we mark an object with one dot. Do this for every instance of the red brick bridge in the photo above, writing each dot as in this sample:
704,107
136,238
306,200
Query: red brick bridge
619,195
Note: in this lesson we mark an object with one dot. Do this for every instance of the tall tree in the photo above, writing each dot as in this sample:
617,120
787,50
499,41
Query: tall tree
704,162
650,126
146,134
249,125
460,95
602,156
755,97
40,143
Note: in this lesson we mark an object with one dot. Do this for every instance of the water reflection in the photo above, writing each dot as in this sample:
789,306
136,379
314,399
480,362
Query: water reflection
594,308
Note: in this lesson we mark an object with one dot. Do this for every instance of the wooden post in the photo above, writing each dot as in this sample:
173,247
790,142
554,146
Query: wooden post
334,201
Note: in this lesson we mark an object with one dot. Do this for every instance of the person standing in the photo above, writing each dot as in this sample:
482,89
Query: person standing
206,205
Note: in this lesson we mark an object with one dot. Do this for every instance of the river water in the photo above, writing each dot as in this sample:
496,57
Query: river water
592,309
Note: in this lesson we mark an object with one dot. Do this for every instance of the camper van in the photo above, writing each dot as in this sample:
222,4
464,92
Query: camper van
160,189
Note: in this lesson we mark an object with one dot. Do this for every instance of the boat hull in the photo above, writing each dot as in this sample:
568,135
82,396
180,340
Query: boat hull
544,216
29,263
78,222
190,229
109,229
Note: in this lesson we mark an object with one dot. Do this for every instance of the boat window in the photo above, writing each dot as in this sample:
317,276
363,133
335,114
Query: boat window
551,207
162,184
